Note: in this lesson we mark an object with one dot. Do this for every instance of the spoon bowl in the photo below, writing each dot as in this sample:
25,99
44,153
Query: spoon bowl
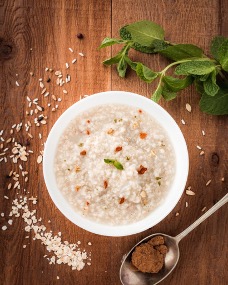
129,275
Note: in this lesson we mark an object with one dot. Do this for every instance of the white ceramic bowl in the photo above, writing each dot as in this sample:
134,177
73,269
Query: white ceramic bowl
177,140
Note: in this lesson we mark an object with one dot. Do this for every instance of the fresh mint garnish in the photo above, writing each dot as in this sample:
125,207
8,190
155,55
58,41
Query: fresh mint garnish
215,105
195,67
114,162
191,65
182,51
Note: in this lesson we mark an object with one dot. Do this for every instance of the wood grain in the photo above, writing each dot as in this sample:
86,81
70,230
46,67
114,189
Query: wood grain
50,28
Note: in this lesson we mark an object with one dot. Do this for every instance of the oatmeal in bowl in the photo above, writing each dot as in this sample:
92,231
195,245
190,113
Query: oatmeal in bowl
115,164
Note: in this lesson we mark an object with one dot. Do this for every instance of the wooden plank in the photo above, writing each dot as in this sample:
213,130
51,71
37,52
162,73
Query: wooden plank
193,22
49,28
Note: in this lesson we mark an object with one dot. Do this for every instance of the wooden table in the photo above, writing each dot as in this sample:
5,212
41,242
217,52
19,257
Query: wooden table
37,34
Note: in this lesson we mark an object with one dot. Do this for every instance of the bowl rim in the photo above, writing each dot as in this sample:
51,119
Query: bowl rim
174,133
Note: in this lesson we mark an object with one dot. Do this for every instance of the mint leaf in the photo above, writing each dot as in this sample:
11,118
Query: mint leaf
131,63
182,51
199,86
122,67
215,45
118,165
120,59
109,42
204,77
168,94
210,86
157,93
160,45
109,161
195,68
215,105
114,162
177,84
145,73
127,36
112,60
223,55
145,32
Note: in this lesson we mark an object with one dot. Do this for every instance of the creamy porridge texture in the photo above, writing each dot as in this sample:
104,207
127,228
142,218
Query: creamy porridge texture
114,164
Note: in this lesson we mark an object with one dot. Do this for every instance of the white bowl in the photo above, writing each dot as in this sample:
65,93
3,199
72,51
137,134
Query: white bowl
176,138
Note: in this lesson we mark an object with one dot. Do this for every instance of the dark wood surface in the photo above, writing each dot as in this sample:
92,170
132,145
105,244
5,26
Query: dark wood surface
50,28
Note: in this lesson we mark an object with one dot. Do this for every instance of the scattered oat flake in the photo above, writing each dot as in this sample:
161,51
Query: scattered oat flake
186,204
10,222
57,277
177,214
188,107
202,152
71,50
64,91
183,122
203,132
222,179
190,192
74,60
17,83
199,147
4,228
204,208
208,182
39,159
81,54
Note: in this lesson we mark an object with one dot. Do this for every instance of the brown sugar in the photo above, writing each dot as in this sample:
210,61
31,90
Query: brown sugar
149,257
158,240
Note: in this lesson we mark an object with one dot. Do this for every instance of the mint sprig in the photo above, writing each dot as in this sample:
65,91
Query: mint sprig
190,65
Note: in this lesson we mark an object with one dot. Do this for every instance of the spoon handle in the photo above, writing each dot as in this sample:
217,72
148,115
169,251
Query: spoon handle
219,204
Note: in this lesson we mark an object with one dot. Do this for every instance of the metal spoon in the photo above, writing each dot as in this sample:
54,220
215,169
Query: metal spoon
129,275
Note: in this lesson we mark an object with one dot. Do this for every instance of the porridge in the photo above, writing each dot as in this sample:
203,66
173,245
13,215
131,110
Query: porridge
114,164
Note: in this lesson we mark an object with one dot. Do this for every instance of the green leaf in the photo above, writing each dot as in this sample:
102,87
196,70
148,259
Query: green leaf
216,105
223,55
122,67
182,51
127,36
204,77
109,161
120,60
168,94
131,63
157,93
199,86
145,73
143,49
210,86
195,67
112,60
145,32
177,84
215,44
118,165
109,42
160,45
114,162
